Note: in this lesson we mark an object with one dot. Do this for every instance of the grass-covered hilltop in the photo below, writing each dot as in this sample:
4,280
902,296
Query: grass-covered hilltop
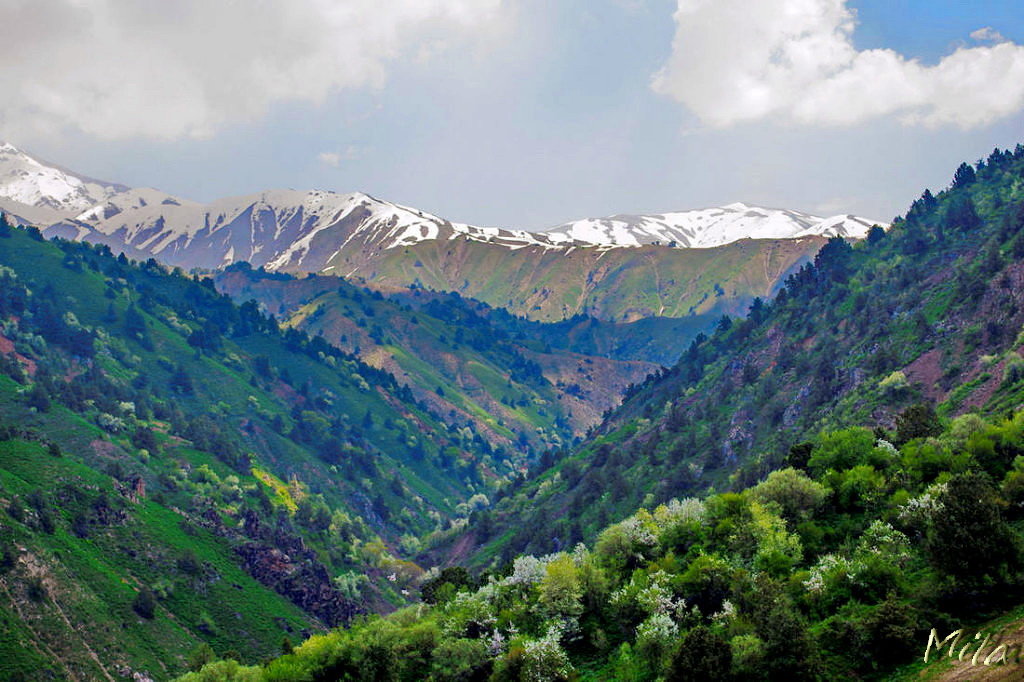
245,475
806,494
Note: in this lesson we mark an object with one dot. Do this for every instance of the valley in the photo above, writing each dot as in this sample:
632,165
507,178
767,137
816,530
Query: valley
525,469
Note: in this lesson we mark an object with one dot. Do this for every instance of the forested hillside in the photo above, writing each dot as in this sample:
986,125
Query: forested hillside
833,569
865,437
466,363
805,492
927,313
176,470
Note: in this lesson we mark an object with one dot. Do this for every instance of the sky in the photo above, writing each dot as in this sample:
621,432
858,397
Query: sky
520,113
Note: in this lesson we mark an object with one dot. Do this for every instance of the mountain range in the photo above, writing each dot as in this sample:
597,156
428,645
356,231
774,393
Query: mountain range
621,268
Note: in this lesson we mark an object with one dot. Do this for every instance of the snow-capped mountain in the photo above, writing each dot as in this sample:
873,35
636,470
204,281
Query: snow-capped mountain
709,227
279,229
308,231
48,188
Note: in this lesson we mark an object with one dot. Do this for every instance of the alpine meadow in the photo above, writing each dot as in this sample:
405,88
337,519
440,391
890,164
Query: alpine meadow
730,429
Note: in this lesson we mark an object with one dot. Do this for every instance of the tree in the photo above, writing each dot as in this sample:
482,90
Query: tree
135,327
917,421
38,397
793,491
799,454
833,260
969,539
702,655
200,656
964,176
961,214
875,235
560,590
445,585
145,439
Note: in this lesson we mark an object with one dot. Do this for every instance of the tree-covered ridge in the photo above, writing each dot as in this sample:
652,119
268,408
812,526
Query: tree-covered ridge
512,390
176,462
930,310
835,568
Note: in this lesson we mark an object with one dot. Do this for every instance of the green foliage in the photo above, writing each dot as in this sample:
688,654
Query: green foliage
725,587
702,655
792,491
144,603
970,542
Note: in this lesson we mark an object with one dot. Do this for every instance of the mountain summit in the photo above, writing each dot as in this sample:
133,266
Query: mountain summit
35,184
279,227
708,227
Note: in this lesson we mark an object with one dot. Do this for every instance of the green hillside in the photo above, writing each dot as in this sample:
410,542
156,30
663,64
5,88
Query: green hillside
929,312
881,390
834,569
517,392
176,471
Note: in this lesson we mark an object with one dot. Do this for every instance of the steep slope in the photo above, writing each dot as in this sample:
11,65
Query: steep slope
178,464
931,311
381,244
454,359
838,569
614,284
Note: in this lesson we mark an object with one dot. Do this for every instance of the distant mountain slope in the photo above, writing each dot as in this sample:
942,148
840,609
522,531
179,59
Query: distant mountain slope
518,393
619,269
32,183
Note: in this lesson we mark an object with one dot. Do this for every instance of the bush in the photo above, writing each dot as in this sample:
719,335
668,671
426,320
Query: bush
144,603
792,490
1013,370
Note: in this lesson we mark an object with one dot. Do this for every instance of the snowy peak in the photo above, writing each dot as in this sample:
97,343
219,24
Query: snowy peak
32,183
307,231
709,227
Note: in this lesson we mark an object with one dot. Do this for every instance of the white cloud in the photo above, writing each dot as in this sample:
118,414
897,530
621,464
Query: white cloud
988,35
334,159
153,68
735,61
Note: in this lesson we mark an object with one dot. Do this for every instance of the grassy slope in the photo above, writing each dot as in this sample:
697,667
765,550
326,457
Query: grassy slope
617,284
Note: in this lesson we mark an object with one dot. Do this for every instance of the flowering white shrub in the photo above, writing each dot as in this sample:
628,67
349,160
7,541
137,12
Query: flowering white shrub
830,570
527,570
925,507
679,514
888,448
882,539
653,598
727,612
639,532
544,659
497,643
110,423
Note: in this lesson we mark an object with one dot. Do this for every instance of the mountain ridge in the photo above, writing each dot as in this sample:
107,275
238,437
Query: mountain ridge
132,214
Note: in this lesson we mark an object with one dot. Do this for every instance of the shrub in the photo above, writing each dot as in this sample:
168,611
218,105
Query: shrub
144,603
